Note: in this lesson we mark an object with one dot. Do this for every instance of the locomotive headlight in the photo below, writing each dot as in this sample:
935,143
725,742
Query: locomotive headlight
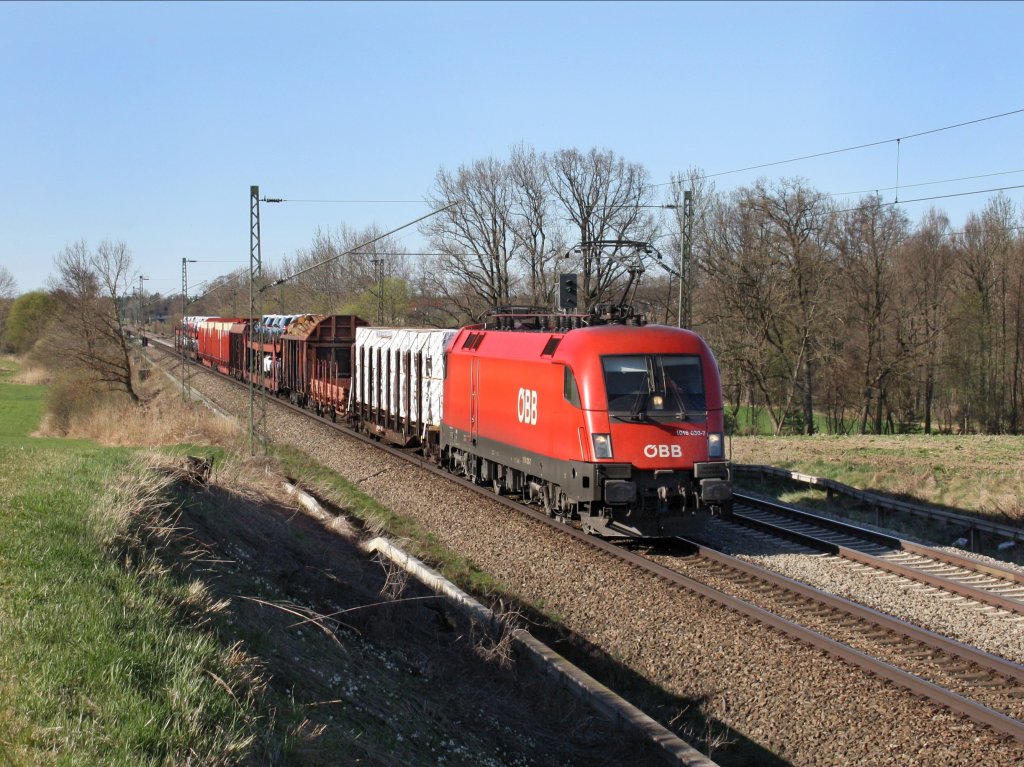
602,445
715,445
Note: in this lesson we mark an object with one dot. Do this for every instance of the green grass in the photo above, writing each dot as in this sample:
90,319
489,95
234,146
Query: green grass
980,473
415,539
751,421
21,410
96,667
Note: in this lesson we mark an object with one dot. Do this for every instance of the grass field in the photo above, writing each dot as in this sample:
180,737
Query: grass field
96,666
980,473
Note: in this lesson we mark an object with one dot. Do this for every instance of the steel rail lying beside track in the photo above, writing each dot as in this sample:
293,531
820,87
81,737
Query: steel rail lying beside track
1005,589
879,502
973,710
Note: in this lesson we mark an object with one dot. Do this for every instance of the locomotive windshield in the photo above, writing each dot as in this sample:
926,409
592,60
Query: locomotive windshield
656,387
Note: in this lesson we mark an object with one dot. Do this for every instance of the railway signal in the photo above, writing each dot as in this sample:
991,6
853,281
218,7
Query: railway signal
567,291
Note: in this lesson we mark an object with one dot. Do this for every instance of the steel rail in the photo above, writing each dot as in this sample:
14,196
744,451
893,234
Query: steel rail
879,501
971,709
1010,604
949,646
937,694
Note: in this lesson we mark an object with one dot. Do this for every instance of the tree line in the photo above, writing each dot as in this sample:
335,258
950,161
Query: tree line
823,314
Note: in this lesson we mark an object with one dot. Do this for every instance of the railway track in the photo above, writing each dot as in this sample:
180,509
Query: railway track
889,510
979,686
998,587
929,660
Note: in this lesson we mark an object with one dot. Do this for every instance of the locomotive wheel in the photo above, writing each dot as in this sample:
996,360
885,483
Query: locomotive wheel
552,500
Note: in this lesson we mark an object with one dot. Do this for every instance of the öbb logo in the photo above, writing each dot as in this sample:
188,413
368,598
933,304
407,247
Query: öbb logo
663,451
526,406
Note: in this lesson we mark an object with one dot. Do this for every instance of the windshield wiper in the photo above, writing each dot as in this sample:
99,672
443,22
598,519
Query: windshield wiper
643,392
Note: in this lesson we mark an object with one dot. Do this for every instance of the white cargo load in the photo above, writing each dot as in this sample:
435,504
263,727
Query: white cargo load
386,377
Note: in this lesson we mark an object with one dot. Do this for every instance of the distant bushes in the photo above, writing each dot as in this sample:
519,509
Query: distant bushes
29,316
68,398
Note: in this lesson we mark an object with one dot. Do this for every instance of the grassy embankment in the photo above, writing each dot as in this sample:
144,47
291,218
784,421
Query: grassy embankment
96,666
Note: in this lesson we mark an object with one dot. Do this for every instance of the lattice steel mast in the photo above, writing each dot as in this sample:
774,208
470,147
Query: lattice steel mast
186,386
686,263
257,402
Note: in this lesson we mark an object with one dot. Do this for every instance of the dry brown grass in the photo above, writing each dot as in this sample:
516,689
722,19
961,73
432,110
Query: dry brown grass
979,472
33,375
162,418
24,370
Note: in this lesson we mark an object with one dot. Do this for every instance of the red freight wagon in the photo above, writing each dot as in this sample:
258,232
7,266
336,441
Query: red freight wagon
238,337
618,425
214,345
316,361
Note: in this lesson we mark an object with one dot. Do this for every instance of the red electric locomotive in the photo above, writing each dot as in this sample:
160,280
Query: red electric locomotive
618,425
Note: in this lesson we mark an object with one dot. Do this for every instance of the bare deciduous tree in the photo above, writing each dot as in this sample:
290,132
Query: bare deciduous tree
539,240
745,298
91,288
8,290
868,242
800,221
928,262
983,331
476,236
8,285
602,198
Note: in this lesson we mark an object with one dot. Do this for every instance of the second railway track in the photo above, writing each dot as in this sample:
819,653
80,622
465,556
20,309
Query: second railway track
930,661
1000,587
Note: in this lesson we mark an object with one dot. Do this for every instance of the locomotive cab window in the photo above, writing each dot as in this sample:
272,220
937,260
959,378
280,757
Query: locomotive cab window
569,388
656,387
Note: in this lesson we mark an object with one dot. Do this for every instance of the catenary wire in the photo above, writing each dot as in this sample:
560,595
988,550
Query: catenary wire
854,148
927,183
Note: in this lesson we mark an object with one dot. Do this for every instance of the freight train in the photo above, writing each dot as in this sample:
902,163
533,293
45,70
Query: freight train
600,418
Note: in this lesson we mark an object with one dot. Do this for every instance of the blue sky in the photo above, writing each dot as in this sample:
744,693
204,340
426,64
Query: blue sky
148,122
